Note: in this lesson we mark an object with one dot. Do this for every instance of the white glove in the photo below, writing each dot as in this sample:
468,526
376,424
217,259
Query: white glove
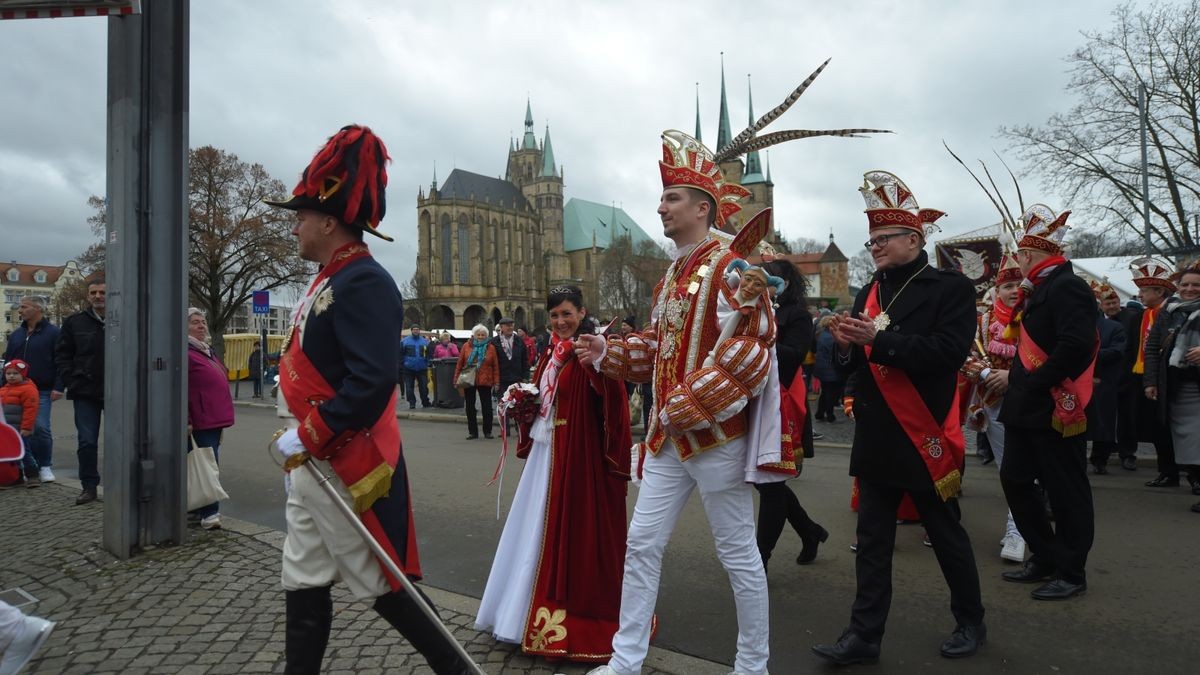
289,444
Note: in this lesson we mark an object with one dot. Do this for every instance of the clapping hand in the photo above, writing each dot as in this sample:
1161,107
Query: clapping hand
848,330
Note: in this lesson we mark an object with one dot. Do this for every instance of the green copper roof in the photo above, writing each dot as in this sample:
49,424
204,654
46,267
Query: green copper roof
753,164
548,167
724,135
529,143
583,219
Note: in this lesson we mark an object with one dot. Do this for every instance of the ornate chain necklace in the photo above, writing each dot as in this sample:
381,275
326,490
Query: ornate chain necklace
883,320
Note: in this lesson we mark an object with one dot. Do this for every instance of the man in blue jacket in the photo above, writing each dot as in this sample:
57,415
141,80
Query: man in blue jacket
33,342
415,351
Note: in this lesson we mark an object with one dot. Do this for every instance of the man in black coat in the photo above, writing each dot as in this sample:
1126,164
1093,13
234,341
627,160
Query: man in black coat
512,356
1049,388
1155,287
909,332
1128,384
79,357
1103,413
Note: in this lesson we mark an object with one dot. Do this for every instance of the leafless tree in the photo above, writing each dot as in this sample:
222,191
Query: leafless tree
807,245
860,268
72,296
417,301
237,244
627,277
1091,153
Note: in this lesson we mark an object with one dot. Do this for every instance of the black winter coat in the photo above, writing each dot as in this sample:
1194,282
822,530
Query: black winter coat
515,369
79,356
1102,414
1060,317
932,325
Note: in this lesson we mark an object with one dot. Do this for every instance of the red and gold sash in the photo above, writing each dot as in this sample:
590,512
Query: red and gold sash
940,445
1139,366
1071,396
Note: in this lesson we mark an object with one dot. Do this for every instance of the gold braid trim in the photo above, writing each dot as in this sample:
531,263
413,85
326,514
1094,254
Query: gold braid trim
949,485
371,487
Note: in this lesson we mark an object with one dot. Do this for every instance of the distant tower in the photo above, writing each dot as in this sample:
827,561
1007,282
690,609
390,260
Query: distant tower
546,196
525,160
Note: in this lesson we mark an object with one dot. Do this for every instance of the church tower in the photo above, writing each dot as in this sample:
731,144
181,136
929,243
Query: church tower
546,196
525,159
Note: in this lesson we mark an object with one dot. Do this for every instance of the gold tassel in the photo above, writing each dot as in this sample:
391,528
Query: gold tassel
1010,331
1068,430
371,487
949,485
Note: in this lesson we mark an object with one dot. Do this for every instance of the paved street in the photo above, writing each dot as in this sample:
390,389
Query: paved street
1137,612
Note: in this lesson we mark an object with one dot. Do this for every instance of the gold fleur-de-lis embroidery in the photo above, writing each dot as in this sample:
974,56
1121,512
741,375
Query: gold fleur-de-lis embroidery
323,301
551,629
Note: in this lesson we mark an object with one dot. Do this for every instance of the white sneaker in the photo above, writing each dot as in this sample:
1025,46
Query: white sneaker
602,670
31,635
212,522
46,474
1014,548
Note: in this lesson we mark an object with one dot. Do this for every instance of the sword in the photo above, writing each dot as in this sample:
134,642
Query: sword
387,562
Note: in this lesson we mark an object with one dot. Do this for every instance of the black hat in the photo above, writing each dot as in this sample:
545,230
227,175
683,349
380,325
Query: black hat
631,320
345,179
507,319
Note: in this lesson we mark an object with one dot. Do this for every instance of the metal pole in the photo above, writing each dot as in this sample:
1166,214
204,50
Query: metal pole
1143,120
390,564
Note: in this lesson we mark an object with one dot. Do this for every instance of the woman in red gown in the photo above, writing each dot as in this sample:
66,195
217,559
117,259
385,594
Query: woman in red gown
555,583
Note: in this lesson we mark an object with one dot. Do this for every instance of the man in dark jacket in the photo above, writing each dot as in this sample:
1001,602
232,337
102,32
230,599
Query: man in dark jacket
414,352
1130,317
512,355
1110,367
80,360
33,342
908,334
1049,388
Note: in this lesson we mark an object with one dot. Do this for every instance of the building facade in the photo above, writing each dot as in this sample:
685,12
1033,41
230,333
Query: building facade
18,280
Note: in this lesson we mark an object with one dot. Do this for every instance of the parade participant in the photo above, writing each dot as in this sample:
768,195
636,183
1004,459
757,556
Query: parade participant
1173,371
1153,279
338,370
569,507
1102,413
904,341
1044,411
987,369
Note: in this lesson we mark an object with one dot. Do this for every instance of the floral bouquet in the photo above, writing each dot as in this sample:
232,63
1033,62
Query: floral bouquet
521,404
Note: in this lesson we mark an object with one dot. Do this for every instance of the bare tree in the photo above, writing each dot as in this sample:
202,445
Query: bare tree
72,296
1092,155
1095,244
807,245
237,244
627,277
860,268
417,301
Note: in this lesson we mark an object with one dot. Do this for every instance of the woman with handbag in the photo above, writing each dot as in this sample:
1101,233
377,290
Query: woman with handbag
555,583
210,405
478,370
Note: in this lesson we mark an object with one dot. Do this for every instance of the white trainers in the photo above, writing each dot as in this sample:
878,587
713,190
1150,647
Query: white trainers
46,474
602,670
31,635
1014,548
212,522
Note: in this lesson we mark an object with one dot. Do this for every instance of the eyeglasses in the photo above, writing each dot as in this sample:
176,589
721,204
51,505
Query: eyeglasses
882,240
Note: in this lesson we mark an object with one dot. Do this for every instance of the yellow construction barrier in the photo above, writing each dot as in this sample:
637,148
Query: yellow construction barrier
237,352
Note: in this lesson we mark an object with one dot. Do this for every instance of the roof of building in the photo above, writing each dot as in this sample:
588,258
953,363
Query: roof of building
753,172
724,135
26,274
583,220
462,184
529,142
549,170
833,254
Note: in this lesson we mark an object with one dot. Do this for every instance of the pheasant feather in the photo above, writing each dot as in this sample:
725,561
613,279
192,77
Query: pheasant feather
734,147
777,137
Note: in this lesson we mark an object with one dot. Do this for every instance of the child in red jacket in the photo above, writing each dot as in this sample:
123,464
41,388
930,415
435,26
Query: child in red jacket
19,397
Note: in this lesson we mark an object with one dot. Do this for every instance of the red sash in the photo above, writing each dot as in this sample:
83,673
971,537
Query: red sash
1071,397
793,407
940,445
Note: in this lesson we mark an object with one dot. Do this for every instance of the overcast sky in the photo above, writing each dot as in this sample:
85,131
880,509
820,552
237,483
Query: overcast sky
446,83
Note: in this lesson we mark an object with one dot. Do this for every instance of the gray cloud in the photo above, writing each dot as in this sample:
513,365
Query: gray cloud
447,83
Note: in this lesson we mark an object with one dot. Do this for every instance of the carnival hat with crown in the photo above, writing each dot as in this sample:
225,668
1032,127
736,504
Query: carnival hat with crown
1103,290
687,163
1009,270
345,179
891,204
1043,230
1149,272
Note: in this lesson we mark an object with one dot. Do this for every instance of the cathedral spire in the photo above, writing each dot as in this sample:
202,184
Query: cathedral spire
769,166
753,163
529,142
698,113
433,185
724,135
548,170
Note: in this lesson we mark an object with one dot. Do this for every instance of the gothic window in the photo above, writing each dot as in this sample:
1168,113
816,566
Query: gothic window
464,250
496,253
480,246
447,251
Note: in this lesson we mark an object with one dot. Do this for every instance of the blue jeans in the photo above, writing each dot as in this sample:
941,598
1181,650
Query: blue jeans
29,465
87,426
208,438
42,440
421,377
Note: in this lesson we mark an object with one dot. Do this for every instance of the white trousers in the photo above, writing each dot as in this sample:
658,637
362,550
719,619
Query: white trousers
719,474
995,436
11,621
321,545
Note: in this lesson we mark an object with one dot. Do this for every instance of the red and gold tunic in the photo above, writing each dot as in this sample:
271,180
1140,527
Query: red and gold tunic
707,403
998,354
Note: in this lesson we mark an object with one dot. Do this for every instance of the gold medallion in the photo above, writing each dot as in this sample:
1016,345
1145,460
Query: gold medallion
693,288
882,321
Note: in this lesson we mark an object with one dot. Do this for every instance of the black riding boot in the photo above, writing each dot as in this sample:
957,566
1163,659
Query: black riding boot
402,612
309,616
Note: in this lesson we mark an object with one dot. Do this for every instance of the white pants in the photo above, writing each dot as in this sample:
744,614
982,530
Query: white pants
995,436
11,620
719,473
321,545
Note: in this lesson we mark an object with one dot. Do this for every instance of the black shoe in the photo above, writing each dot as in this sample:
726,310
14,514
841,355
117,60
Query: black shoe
1129,463
848,650
472,437
964,641
1196,507
487,435
412,406
309,614
85,496
816,536
818,436
1163,480
402,612
1058,589
1030,573
1100,469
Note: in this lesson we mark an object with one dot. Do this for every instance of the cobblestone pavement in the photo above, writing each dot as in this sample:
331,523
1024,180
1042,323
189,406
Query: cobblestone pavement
213,605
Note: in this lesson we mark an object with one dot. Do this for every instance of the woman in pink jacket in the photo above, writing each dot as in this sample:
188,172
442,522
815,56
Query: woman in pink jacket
210,406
